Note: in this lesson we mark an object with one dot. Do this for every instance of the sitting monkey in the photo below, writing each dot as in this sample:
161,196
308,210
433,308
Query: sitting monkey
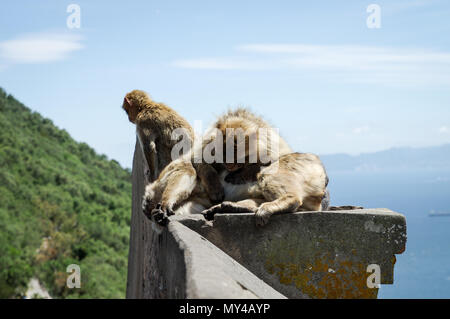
296,182
243,171
155,123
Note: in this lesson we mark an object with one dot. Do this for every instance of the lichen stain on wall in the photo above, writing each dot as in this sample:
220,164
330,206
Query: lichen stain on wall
324,279
329,275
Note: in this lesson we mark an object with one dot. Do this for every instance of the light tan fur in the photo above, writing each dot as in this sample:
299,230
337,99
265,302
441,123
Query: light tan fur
180,191
251,125
296,182
171,195
292,182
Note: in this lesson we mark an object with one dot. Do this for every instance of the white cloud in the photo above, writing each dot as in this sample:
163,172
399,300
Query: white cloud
394,7
354,109
39,48
350,63
350,56
219,64
361,130
444,129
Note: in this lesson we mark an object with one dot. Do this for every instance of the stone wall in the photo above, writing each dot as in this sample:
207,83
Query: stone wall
301,255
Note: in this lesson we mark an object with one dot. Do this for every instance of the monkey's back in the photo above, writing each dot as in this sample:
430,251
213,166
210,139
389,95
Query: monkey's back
163,121
301,174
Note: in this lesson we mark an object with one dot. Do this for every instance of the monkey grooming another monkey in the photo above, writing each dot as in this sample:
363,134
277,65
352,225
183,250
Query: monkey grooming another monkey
249,138
296,182
155,123
181,188
178,190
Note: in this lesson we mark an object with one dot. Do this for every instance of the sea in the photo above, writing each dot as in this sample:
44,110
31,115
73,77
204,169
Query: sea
423,270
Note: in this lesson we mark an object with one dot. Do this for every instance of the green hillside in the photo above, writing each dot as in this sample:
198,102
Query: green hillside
60,204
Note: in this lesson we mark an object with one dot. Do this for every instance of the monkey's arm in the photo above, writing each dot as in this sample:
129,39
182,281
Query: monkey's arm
285,203
174,185
180,186
147,140
241,207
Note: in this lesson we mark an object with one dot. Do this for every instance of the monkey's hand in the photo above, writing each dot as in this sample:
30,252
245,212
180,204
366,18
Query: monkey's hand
159,216
226,208
209,213
147,206
332,208
155,214
262,216
166,208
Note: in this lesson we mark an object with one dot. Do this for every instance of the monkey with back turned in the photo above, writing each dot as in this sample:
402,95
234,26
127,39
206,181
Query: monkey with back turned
155,123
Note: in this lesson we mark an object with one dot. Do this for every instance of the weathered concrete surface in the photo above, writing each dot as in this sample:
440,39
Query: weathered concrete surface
210,273
179,263
312,254
301,255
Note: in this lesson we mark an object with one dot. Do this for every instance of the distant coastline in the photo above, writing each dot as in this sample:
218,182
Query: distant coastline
432,213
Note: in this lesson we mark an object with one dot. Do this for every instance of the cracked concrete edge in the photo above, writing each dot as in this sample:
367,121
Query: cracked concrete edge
210,273
390,225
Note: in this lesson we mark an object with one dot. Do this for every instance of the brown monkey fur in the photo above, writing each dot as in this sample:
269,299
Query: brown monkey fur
239,173
155,123
177,190
246,172
242,170
290,183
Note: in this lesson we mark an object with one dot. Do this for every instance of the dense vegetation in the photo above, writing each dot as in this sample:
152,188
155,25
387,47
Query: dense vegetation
60,204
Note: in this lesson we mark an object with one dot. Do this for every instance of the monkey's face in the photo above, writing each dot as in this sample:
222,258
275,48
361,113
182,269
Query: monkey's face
132,110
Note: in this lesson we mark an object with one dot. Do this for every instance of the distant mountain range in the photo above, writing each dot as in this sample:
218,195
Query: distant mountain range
395,159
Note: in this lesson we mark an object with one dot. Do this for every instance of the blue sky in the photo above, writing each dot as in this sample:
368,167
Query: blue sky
313,69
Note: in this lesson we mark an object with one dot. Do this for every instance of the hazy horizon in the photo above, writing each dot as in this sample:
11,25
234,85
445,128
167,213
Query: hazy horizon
354,155
313,70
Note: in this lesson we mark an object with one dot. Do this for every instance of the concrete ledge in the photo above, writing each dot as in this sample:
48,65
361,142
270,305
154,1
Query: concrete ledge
209,272
300,255
312,254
